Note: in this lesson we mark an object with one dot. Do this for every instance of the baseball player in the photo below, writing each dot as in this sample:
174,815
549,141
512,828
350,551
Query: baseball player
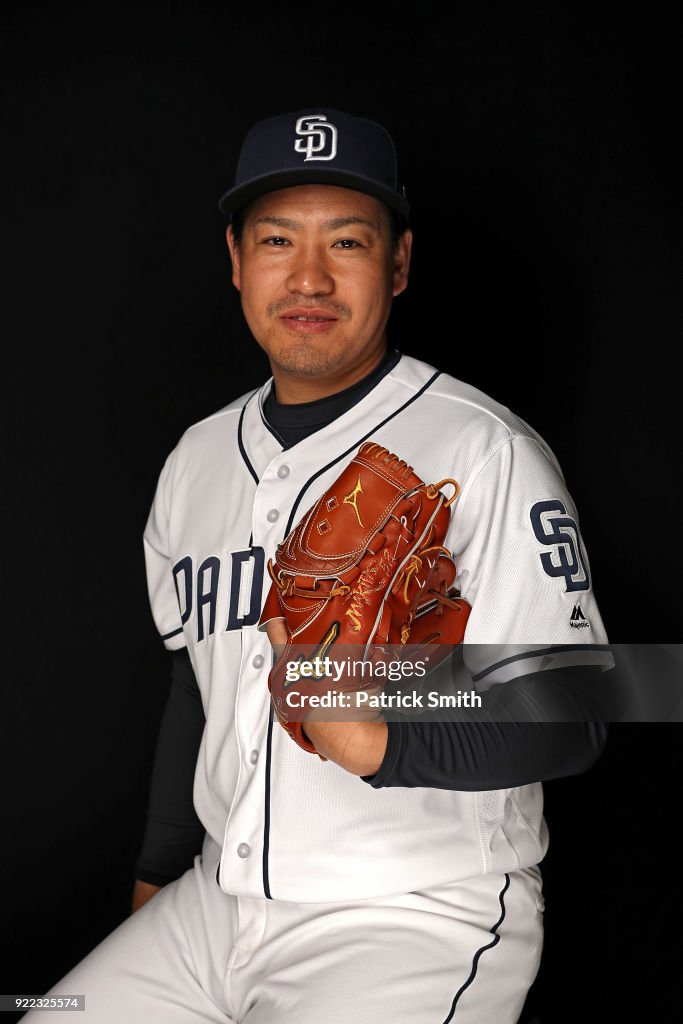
396,876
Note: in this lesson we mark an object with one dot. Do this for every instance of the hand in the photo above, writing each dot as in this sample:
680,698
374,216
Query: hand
357,746
142,893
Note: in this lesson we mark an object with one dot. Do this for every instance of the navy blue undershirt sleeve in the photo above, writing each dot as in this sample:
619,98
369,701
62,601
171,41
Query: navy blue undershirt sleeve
173,833
551,725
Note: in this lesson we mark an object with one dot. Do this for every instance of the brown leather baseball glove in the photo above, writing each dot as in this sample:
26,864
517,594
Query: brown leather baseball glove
365,566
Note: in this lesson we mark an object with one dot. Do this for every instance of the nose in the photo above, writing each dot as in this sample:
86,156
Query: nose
309,273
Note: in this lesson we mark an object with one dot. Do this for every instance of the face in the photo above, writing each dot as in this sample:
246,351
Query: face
317,273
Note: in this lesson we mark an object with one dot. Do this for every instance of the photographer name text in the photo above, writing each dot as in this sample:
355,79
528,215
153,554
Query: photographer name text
345,700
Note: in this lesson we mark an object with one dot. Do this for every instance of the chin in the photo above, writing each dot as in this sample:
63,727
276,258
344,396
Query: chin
307,363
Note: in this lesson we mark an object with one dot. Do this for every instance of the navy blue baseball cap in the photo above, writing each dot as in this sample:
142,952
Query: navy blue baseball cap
317,146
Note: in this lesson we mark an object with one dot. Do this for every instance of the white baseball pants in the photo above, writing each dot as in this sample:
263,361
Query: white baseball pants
466,952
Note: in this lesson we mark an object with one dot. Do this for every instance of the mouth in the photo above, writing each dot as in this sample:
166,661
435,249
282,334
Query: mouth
308,321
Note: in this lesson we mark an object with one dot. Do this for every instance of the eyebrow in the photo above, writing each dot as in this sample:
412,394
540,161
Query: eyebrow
330,225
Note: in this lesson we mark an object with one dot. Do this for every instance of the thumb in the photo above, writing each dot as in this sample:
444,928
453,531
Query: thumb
277,632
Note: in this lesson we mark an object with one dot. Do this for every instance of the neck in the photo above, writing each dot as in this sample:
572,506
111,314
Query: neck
293,390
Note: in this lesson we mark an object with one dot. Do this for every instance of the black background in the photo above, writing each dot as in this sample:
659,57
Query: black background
537,145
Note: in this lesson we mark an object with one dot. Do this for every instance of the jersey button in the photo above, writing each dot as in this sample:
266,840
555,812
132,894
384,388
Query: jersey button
243,850
273,515
283,472
253,757
258,661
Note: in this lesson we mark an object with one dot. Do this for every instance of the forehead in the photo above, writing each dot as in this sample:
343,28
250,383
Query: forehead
317,204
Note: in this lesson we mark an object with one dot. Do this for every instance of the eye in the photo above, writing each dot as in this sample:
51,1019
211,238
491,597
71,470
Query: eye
347,243
276,240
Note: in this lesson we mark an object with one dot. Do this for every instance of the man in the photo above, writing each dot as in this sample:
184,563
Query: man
396,876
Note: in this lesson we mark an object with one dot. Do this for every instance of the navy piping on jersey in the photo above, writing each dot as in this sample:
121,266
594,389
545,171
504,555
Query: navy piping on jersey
266,815
240,443
174,632
272,430
482,949
560,649
353,448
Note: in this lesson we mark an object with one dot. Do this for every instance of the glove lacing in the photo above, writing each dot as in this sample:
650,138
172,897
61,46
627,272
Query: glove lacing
288,587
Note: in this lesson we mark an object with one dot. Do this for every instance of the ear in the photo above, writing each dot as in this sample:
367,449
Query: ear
233,248
401,262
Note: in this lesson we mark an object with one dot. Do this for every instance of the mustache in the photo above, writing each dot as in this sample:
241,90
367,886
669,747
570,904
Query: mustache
337,309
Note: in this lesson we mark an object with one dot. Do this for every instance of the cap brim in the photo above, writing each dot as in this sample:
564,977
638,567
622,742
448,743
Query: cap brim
243,194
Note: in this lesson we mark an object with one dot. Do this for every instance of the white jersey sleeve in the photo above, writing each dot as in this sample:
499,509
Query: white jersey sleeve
164,583
523,566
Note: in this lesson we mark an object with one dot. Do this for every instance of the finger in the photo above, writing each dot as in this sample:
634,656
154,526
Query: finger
277,632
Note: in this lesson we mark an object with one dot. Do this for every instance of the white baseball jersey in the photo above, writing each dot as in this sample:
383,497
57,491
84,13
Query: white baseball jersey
289,825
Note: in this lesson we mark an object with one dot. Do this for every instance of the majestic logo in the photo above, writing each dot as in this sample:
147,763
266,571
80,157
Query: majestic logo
352,499
578,620
558,531
317,138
